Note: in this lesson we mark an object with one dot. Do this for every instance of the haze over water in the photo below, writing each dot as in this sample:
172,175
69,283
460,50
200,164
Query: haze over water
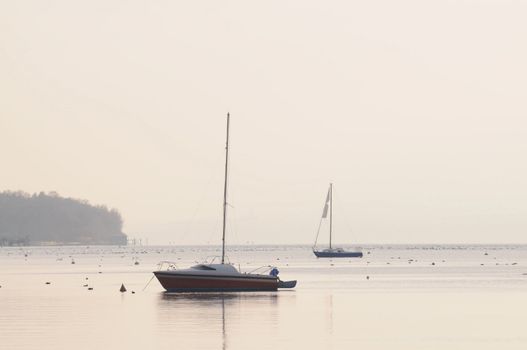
416,297
415,109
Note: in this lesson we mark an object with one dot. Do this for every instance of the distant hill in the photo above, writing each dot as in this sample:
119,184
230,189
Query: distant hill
42,219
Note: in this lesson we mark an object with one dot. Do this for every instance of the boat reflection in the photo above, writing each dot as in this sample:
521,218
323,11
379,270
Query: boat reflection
220,314
220,296
329,307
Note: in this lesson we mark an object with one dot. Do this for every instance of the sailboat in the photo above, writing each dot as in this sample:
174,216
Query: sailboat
220,277
332,252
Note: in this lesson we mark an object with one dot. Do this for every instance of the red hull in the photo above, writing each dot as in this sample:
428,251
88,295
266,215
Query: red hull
174,282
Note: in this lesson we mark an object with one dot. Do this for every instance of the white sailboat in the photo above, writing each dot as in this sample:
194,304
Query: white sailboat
331,252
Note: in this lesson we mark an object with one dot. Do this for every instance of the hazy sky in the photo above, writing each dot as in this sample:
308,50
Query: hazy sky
416,110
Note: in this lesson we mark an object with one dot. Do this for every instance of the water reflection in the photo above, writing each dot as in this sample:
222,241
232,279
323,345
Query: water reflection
221,316
224,334
208,298
330,314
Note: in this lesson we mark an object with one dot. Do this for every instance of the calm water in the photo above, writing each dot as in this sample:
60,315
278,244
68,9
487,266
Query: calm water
416,297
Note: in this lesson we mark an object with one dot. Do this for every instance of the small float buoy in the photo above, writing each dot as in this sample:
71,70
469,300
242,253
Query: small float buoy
72,261
433,263
136,262
85,285
48,282
123,289
367,277
133,292
91,288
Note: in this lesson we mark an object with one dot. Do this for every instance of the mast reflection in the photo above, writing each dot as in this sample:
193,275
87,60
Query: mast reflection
178,310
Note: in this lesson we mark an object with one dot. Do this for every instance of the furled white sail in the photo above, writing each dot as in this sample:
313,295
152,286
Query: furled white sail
325,212
326,206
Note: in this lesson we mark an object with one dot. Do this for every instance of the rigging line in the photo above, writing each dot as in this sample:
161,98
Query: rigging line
213,176
318,232
148,282
233,224
213,229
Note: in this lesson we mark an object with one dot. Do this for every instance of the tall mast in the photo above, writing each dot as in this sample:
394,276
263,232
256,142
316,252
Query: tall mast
225,192
330,212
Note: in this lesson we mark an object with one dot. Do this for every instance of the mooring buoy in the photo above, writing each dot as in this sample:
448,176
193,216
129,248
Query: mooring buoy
123,289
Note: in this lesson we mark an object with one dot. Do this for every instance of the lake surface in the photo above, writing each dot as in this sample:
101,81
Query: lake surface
416,297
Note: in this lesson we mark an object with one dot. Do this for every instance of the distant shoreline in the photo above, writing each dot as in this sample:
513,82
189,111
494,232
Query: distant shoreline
48,219
410,246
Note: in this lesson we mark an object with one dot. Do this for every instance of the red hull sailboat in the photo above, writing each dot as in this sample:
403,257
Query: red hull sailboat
220,277
214,278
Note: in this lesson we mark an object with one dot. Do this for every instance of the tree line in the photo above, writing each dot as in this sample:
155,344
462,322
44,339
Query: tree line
47,218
